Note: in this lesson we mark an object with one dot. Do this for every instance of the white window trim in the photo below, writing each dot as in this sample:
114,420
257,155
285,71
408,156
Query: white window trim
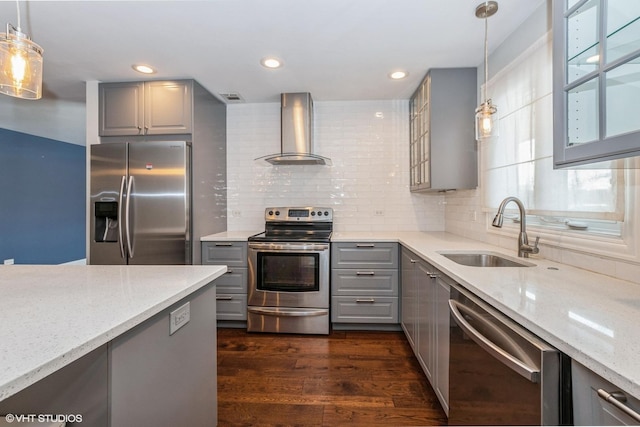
616,248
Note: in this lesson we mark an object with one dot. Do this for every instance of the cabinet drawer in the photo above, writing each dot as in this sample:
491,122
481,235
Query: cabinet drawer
364,282
231,306
364,309
589,408
234,281
364,255
232,254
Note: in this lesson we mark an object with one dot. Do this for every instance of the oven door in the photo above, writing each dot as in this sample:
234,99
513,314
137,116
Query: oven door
291,275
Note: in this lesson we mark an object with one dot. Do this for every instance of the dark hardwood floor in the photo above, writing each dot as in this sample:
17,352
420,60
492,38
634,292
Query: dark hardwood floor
348,378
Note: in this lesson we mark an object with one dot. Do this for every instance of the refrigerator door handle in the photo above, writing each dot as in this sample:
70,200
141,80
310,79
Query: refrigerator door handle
120,217
128,217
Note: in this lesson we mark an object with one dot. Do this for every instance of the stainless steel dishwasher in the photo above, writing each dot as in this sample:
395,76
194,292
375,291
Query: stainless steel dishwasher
500,373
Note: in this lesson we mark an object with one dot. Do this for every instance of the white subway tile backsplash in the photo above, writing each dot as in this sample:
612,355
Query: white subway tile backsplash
368,142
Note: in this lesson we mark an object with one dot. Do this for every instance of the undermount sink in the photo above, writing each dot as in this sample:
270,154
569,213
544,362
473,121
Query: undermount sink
484,259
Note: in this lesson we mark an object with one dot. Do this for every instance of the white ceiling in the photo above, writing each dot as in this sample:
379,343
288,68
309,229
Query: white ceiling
335,49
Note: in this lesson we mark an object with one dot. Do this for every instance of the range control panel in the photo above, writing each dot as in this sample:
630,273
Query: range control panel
305,214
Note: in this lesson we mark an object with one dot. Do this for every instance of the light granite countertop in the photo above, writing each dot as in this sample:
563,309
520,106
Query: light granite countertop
51,316
235,236
588,316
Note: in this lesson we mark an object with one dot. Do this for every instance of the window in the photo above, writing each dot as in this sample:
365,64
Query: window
520,161
596,83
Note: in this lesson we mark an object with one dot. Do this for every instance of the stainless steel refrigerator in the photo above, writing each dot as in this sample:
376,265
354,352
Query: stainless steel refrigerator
140,203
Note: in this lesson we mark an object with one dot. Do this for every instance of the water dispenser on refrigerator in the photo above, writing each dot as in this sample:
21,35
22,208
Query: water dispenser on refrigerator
106,221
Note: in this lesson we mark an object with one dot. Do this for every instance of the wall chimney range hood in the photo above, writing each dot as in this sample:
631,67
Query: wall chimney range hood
296,132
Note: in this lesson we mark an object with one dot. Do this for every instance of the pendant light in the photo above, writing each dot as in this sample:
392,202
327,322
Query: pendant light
20,63
486,113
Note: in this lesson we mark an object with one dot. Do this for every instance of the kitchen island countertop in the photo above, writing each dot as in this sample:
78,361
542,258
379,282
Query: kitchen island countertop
588,316
54,315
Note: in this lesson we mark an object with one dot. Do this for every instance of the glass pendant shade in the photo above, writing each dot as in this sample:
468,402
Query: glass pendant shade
20,65
487,123
486,113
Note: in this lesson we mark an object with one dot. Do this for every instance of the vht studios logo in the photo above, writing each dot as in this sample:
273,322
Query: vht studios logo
42,418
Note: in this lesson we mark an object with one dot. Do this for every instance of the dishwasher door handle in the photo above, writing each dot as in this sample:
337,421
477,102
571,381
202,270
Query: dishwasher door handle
530,373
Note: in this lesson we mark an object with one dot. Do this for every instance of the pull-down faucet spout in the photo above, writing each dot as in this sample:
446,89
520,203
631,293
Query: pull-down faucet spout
524,248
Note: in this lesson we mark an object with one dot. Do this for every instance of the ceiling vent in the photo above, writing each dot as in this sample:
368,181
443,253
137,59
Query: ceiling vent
233,97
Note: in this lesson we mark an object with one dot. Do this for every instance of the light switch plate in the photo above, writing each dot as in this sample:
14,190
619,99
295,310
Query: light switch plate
179,317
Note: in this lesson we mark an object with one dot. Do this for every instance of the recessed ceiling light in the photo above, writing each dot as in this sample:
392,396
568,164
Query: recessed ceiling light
271,62
397,75
145,69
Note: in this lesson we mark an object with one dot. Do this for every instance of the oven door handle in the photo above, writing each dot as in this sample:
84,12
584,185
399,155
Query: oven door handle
528,372
284,247
287,312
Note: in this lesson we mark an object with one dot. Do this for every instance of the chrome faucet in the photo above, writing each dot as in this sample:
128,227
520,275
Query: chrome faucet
524,248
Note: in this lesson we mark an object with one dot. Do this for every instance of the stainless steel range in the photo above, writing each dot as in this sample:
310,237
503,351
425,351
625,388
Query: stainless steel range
289,272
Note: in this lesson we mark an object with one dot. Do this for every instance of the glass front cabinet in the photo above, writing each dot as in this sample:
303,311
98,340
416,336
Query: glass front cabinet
596,63
443,152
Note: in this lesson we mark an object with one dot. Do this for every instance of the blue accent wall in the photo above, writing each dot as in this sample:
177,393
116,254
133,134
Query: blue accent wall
42,199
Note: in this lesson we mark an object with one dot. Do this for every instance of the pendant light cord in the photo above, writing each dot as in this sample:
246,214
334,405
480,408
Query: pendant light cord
18,10
486,51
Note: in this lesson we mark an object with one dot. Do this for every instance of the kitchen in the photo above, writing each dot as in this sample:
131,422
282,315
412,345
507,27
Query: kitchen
370,166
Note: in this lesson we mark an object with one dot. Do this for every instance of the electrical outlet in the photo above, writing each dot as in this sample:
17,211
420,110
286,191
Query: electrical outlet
179,317
9,261
378,212
236,213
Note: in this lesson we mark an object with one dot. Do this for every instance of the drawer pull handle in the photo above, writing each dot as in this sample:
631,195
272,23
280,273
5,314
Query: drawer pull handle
224,244
229,271
617,399
365,273
413,261
224,297
367,300
365,245
434,275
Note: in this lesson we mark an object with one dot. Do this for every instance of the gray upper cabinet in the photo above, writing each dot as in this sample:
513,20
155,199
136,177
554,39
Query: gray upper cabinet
596,84
145,108
443,151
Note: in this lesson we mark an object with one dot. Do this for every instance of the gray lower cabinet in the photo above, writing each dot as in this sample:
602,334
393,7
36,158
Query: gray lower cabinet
163,379
441,348
409,292
144,377
81,387
425,320
590,405
364,283
231,298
